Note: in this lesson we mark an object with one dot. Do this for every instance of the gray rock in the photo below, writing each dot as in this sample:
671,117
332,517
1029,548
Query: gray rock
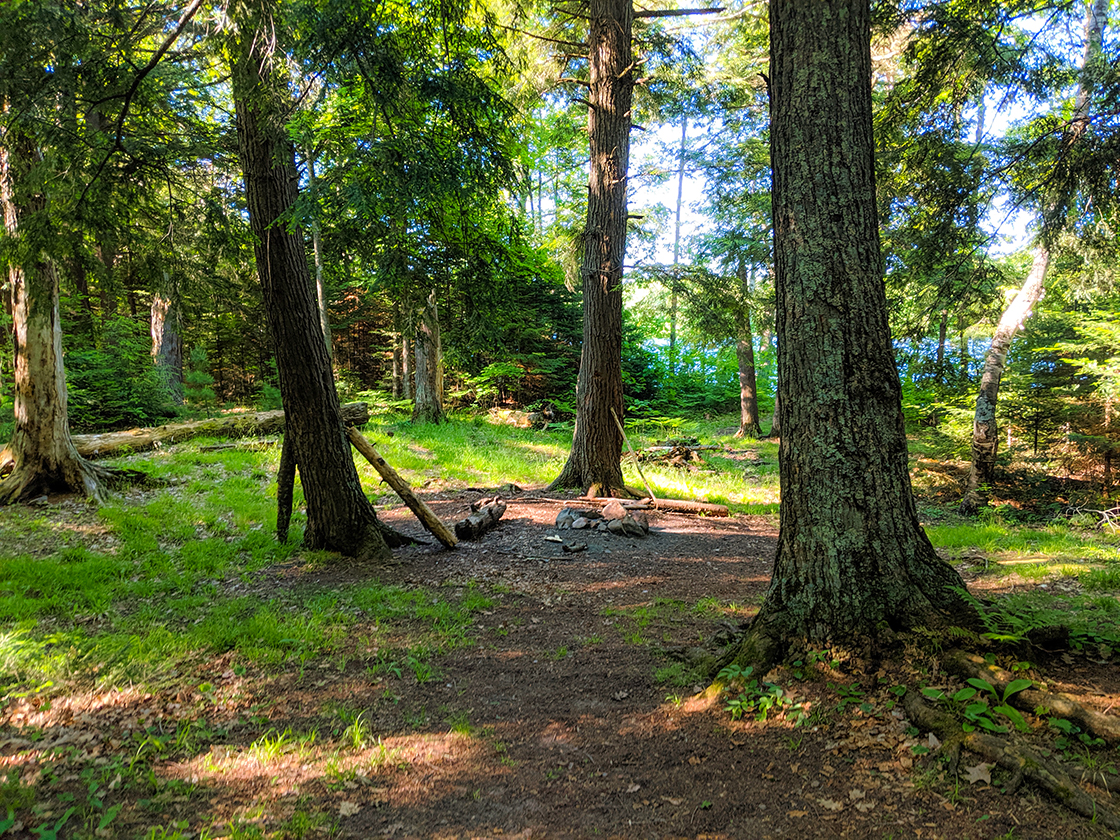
631,527
581,523
616,526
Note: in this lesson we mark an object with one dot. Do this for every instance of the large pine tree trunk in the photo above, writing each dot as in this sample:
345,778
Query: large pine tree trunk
985,431
43,454
428,407
595,460
851,553
339,517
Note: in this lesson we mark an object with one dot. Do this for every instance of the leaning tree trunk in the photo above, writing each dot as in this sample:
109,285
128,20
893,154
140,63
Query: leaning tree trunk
985,432
428,407
43,454
851,556
339,517
595,462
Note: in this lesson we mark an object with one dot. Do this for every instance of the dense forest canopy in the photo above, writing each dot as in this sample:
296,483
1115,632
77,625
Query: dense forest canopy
442,157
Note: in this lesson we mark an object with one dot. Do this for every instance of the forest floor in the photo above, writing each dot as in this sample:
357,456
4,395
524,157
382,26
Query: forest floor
569,708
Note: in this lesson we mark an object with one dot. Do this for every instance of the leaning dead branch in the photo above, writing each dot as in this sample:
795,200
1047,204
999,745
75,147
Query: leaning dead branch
417,505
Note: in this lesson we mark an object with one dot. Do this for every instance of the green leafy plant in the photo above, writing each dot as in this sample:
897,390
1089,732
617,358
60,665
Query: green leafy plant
755,697
979,702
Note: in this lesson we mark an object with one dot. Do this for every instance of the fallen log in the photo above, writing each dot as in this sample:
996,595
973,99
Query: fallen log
676,505
481,521
1100,725
1023,763
424,513
228,425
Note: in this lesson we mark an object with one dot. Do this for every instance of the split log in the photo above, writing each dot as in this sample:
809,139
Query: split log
481,521
424,513
1023,763
1100,725
229,425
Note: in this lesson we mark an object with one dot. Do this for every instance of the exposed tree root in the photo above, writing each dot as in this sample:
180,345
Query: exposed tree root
1023,763
968,665
23,482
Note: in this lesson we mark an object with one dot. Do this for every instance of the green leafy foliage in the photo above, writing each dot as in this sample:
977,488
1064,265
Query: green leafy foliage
113,384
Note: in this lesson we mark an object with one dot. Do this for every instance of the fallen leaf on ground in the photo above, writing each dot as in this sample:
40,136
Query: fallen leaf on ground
980,773
348,809
796,813
634,788
831,804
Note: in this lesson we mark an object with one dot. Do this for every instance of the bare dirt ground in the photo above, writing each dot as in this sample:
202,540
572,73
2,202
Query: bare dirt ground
551,724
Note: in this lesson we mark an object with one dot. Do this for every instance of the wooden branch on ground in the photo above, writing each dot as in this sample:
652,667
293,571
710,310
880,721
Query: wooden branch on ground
424,513
1059,705
633,455
482,520
1022,762
228,425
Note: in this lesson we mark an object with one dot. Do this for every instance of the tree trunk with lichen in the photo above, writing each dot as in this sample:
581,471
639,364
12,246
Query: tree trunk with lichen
852,556
595,462
339,517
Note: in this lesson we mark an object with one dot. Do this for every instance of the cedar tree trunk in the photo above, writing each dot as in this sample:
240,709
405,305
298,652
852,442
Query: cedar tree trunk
428,407
43,457
339,517
749,426
851,553
595,463
167,341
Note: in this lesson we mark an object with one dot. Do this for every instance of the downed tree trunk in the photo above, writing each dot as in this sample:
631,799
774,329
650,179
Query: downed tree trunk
970,665
481,521
676,505
424,513
1022,762
230,425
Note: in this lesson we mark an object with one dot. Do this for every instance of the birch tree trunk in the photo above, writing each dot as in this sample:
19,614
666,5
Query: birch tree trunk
985,430
594,463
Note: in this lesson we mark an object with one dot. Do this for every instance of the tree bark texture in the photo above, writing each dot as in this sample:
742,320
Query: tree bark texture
851,552
339,517
428,407
749,426
167,341
594,463
985,431
43,454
